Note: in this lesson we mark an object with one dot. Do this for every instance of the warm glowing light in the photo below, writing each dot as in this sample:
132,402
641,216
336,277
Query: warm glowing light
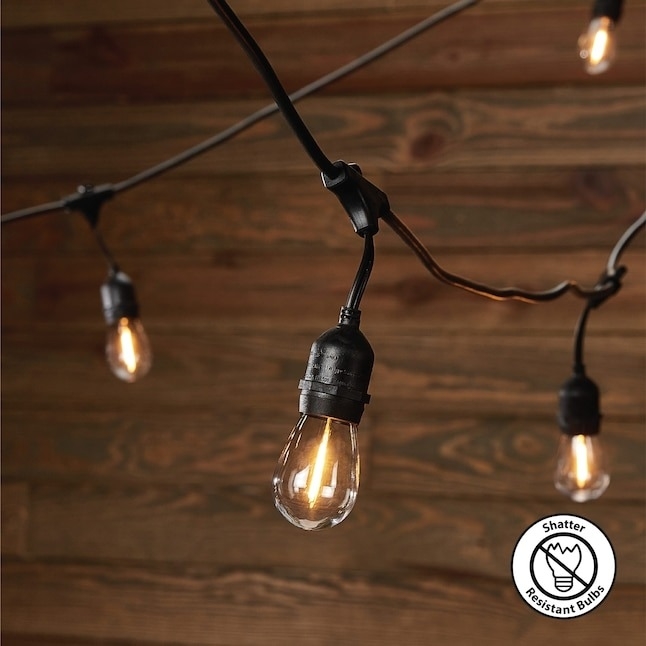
128,353
581,457
317,478
128,350
597,46
580,472
321,458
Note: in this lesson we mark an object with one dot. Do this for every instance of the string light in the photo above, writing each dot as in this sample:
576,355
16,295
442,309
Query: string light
580,465
127,348
317,478
597,46
316,481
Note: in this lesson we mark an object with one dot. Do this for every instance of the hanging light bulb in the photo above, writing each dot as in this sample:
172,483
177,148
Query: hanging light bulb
597,46
580,472
127,347
316,480
317,477
580,469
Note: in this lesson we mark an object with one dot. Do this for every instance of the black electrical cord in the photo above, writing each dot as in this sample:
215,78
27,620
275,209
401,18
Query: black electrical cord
623,242
29,212
246,123
305,91
579,336
363,274
266,71
107,254
285,102
599,292
330,170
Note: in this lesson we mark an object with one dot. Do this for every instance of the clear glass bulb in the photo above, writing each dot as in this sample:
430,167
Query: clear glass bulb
580,470
127,349
597,46
317,477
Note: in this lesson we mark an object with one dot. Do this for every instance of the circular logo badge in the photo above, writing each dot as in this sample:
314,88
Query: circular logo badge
563,566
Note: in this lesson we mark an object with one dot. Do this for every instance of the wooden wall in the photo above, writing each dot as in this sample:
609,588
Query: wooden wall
141,514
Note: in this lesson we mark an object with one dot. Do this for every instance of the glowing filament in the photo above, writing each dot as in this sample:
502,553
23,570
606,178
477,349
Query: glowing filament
317,474
127,343
599,46
581,458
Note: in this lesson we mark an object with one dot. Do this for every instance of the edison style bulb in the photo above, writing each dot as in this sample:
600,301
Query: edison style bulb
127,349
598,45
580,470
317,478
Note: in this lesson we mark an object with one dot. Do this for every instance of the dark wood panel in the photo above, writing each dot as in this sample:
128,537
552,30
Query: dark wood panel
258,287
200,61
206,606
384,533
566,127
25,13
416,450
542,210
18,639
15,518
141,514
200,365
408,449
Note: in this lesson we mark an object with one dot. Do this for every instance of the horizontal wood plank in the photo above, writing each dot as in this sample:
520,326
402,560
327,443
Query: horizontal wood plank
543,210
202,364
417,450
567,127
200,61
408,448
21,639
15,518
26,13
385,533
141,514
207,606
254,287
75,12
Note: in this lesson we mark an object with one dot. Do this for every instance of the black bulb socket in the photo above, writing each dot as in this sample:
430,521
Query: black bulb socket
609,8
338,372
579,406
118,298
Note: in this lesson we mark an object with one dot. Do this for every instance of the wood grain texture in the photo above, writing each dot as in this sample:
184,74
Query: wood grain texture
200,61
141,514
385,534
489,374
231,286
203,605
541,210
17,13
408,449
15,518
568,127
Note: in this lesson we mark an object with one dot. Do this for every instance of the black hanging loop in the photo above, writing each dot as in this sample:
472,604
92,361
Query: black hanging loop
362,200
88,200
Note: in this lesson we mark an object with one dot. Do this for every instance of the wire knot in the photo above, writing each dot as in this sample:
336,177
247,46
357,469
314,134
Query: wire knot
607,285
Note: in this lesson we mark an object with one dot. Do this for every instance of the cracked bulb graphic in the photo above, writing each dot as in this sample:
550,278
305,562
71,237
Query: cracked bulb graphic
557,557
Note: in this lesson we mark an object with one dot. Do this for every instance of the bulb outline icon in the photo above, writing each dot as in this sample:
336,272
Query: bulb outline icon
563,562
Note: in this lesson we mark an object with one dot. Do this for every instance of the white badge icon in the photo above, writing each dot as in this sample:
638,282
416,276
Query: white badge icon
563,566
